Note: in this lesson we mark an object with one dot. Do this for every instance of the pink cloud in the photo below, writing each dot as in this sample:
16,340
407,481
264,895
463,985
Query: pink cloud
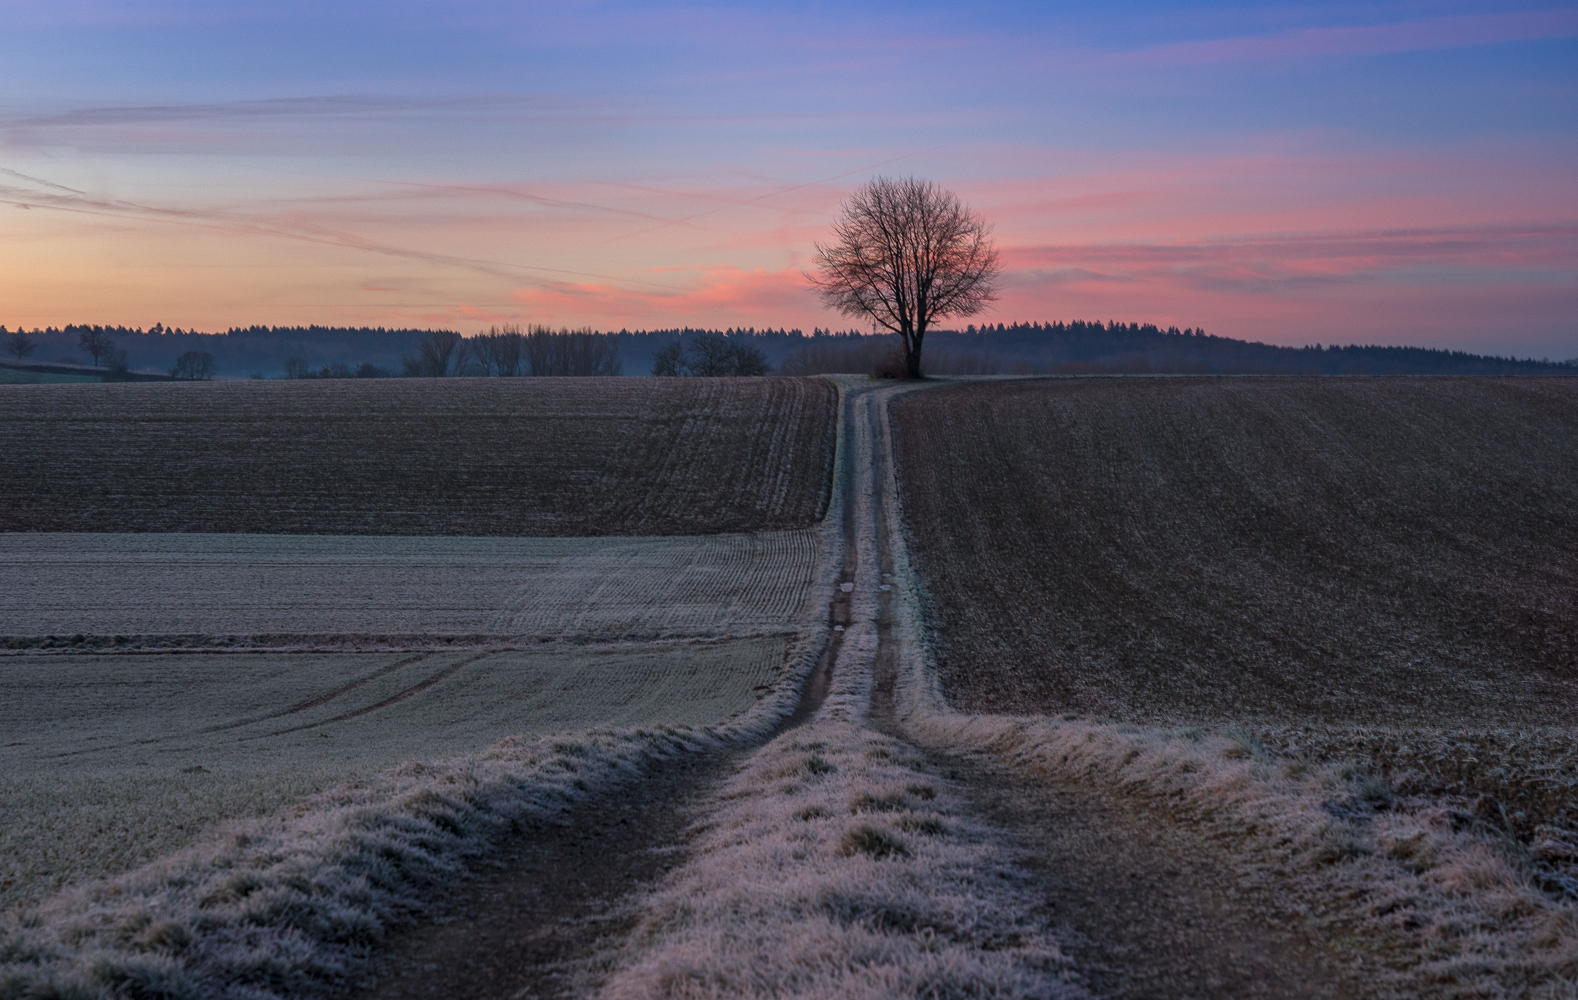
723,296
1462,287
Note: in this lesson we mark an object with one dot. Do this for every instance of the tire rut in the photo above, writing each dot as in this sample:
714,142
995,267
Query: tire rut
555,894
393,699
531,917
1148,909
323,699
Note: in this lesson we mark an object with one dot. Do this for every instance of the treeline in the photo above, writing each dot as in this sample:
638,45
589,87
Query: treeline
255,351
1077,347
1084,347
641,349
511,351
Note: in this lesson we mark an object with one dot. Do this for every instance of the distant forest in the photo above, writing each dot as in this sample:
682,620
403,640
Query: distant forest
1077,347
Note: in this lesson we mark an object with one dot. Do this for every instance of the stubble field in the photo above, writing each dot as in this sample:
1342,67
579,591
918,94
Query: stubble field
479,457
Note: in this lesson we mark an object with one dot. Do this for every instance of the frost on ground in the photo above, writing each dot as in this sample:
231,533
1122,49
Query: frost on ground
136,585
835,867
293,903
1453,906
114,761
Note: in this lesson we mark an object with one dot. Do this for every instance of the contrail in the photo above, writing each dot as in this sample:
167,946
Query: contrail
40,180
82,204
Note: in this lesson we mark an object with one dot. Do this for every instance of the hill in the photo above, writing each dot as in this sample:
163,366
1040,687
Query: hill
1367,551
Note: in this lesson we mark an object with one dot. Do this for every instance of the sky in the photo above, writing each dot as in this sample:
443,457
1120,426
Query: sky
1384,172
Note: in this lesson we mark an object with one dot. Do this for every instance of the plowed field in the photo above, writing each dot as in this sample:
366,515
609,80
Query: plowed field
112,761
480,457
1387,552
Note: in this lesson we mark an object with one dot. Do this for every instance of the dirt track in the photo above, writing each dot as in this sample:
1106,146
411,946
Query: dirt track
528,921
534,919
1150,910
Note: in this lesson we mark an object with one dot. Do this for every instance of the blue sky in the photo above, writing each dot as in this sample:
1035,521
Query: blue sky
1395,172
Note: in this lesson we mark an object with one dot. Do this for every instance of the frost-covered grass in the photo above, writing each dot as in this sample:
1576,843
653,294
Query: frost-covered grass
293,903
115,761
1442,900
227,585
834,866
1447,903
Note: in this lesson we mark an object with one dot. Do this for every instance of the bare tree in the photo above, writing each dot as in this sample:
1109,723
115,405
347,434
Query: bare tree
907,253
439,353
19,344
196,365
96,342
710,355
669,361
499,350
570,352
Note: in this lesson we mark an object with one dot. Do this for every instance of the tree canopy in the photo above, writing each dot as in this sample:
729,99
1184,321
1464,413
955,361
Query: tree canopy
906,253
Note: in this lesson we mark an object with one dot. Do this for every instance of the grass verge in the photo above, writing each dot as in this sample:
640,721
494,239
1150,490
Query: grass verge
835,867
1449,905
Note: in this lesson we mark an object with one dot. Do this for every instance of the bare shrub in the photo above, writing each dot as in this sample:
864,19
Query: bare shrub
116,368
890,365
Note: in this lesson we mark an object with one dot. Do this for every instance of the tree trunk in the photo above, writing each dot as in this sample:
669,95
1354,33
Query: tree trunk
912,352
